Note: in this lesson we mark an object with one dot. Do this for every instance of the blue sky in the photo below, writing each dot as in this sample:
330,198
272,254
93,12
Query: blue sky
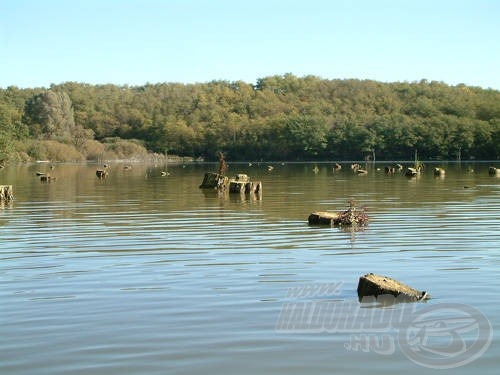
134,42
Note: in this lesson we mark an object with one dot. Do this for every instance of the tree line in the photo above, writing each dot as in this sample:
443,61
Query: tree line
282,117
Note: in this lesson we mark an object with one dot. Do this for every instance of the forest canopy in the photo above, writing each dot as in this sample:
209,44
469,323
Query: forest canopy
281,117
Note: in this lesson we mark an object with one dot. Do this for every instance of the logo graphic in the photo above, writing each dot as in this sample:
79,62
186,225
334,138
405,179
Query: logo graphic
440,336
446,335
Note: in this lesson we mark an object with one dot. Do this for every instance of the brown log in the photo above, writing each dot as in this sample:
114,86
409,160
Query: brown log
323,218
371,285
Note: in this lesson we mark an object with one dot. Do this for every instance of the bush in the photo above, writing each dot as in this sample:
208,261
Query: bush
53,151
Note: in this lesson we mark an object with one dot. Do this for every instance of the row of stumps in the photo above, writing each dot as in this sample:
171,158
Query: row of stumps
239,184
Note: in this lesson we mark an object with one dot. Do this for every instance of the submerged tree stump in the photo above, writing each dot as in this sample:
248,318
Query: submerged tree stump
214,181
6,193
101,173
237,187
253,187
492,171
377,285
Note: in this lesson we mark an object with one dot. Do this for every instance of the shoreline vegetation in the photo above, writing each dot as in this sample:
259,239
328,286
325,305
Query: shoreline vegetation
283,117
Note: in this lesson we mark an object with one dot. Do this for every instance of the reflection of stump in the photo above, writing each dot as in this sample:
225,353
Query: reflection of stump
376,285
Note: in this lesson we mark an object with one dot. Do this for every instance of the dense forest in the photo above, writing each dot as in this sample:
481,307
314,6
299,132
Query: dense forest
279,118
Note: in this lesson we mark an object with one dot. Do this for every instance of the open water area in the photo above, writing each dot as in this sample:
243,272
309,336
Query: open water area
141,273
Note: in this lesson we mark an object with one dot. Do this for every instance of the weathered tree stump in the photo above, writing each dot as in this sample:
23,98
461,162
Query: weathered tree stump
101,173
439,172
47,178
237,187
371,285
253,187
411,172
492,171
324,218
6,193
214,181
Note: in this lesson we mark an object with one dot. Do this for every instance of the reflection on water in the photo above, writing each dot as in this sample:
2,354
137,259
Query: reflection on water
144,273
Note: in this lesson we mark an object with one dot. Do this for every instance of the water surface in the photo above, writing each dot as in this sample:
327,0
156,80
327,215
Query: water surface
147,274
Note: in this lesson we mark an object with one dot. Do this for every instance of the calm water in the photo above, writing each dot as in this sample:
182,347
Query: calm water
143,274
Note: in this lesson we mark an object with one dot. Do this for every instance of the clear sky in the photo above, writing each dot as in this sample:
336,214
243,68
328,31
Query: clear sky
139,41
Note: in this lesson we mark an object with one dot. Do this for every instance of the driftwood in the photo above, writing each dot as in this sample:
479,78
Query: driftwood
6,193
371,285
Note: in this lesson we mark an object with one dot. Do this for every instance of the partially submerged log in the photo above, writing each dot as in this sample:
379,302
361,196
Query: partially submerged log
351,216
371,285
324,218
6,193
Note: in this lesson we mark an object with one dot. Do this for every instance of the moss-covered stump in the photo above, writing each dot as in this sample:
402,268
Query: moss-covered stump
371,285
323,218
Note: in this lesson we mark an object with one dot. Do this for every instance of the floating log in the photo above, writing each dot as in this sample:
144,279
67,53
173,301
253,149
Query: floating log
371,285
324,218
6,193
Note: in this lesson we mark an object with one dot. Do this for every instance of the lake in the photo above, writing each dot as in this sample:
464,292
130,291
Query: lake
141,273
